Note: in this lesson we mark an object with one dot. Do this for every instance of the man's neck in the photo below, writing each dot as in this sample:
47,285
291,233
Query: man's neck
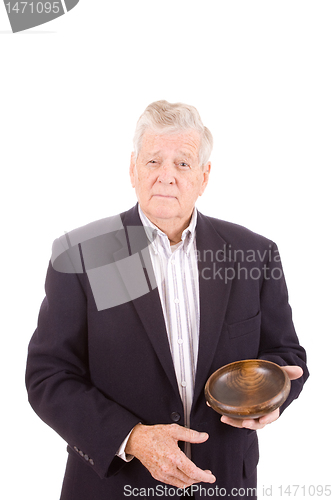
173,231
173,228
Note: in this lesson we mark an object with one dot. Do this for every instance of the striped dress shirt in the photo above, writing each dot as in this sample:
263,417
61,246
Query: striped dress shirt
177,277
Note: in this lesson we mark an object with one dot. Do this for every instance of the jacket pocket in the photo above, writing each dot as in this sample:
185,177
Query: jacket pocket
245,327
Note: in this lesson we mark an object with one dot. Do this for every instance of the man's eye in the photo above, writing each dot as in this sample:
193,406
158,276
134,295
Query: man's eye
183,164
152,161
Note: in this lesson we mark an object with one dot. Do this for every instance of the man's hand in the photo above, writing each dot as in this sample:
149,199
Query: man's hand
157,449
293,373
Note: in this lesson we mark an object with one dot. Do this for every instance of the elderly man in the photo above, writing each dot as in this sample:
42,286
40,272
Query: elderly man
140,310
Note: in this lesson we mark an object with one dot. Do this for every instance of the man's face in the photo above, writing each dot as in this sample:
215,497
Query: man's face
167,176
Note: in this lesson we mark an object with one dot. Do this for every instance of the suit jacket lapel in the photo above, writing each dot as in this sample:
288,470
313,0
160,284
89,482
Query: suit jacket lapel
214,295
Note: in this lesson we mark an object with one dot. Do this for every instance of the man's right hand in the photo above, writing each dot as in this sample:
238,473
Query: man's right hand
156,446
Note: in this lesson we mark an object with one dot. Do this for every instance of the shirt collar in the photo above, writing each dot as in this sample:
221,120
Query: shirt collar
188,234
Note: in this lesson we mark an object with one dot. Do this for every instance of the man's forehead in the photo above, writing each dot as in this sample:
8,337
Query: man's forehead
185,142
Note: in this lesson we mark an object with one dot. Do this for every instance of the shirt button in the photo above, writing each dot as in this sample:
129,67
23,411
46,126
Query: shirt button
176,301
175,416
180,341
184,384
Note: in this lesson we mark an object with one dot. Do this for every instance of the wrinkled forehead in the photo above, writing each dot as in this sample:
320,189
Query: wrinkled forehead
185,142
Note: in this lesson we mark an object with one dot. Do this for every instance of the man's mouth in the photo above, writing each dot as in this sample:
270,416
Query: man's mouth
164,196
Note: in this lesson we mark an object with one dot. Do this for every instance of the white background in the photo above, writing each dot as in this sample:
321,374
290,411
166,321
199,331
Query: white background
260,74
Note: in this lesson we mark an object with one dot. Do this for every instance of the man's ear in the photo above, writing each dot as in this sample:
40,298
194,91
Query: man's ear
206,172
132,168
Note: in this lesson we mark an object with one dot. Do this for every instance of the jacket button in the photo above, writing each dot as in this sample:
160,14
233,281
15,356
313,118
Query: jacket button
175,416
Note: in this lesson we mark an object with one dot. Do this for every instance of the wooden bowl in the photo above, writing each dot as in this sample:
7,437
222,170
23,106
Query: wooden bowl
247,389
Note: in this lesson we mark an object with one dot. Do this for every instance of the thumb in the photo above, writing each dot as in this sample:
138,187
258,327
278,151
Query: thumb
189,435
293,372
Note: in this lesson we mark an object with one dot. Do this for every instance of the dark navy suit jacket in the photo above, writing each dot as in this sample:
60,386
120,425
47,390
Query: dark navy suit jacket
97,369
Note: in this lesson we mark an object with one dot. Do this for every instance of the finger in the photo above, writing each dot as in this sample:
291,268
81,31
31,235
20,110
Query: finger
234,422
270,417
250,423
188,480
193,473
180,473
188,435
256,424
174,481
196,475
293,372
180,480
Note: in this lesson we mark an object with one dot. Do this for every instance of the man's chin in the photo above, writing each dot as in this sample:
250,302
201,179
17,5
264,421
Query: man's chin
164,207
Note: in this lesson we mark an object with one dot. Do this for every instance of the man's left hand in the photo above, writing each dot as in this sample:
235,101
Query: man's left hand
293,373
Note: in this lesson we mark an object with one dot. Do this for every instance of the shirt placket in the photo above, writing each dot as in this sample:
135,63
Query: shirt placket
179,333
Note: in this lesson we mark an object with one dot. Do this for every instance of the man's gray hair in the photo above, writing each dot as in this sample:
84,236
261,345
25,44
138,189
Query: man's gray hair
168,118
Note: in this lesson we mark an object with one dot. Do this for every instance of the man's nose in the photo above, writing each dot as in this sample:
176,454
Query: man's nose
166,173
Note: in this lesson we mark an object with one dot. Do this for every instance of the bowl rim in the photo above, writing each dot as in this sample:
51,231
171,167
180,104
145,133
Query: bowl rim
269,405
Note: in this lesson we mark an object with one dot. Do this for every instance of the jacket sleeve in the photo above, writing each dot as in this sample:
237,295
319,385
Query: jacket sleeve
279,342
58,381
